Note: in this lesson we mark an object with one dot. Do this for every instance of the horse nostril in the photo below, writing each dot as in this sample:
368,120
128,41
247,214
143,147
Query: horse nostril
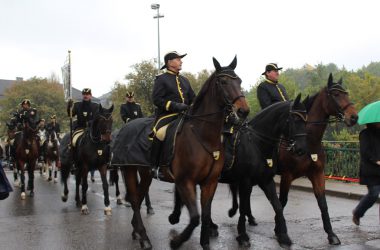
242,113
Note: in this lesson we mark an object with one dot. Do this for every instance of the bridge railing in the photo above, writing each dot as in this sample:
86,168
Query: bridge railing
342,160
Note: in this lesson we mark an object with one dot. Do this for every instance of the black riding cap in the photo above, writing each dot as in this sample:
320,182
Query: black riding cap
170,56
271,66
86,91
130,94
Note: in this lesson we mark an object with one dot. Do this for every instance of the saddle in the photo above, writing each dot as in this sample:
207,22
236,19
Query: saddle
76,135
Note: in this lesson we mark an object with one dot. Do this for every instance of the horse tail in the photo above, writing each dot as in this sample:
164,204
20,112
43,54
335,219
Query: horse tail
65,172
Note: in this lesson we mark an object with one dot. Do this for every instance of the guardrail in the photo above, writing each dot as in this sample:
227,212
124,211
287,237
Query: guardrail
342,160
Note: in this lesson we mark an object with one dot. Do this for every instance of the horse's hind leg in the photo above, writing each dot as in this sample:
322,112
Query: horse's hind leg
235,205
31,168
20,166
148,204
188,196
77,184
136,195
285,183
280,228
318,182
84,209
103,175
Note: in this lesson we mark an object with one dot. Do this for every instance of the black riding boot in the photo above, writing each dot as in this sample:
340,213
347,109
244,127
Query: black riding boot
155,155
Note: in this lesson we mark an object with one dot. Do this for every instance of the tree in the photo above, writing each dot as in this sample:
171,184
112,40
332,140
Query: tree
46,96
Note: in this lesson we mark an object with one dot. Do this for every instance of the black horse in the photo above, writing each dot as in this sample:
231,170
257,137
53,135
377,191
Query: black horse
92,151
253,164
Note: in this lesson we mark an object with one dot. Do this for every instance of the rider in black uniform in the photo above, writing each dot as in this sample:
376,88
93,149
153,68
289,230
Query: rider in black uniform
130,109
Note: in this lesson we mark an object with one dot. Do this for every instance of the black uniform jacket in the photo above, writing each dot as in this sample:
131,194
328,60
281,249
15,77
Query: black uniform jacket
369,154
130,111
170,88
269,92
54,126
84,111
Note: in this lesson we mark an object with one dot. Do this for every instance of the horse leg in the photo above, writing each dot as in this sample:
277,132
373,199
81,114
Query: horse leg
280,228
178,204
54,170
15,179
318,182
77,184
65,173
235,205
187,194
136,195
84,209
20,166
245,189
286,181
114,177
103,175
31,167
148,204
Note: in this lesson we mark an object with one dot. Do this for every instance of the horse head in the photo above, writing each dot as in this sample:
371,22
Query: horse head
296,132
102,124
339,103
230,84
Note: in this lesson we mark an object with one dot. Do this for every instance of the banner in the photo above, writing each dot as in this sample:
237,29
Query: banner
66,76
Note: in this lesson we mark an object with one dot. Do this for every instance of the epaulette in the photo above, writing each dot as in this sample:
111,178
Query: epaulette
159,75
138,103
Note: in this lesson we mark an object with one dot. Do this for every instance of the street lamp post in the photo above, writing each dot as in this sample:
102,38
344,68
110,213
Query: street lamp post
156,6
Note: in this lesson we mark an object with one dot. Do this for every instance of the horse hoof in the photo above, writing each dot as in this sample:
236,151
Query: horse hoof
107,211
334,240
150,210
64,197
231,212
145,244
243,240
55,180
176,242
16,183
85,210
206,247
23,196
119,202
173,219
31,194
49,179
252,221
284,240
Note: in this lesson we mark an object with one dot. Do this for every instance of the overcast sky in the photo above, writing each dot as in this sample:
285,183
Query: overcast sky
106,37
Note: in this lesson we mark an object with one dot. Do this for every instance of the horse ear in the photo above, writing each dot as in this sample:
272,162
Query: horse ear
233,63
111,109
216,64
297,100
340,81
330,81
100,107
306,101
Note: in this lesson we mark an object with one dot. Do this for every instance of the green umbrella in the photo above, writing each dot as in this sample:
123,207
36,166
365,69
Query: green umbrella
370,113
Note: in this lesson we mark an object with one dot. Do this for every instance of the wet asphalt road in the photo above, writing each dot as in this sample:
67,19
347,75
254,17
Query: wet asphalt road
45,222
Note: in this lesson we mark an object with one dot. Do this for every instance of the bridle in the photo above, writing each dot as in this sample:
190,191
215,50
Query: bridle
339,110
291,139
98,137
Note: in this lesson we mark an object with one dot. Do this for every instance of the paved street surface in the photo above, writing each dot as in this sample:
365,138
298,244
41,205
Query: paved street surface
45,222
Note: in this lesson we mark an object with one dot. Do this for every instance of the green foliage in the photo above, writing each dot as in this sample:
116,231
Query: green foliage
45,95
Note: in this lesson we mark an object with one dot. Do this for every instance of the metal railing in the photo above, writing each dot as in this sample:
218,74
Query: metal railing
342,160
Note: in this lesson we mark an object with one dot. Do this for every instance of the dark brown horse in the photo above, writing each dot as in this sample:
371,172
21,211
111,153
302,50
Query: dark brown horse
198,155
331,100
92,151
27,150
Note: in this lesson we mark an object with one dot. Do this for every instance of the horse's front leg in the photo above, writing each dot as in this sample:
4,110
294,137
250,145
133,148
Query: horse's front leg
103,175
280,228
21,168
84,176
235,205
178,204
245,189
318,182
31,168
78,177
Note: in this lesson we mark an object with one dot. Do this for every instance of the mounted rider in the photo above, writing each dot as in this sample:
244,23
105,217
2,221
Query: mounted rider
270,90
41,138
172,94
84,111
130,109
22,113
53,125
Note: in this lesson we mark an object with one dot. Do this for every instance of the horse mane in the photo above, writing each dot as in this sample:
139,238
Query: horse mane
269,110
202,92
